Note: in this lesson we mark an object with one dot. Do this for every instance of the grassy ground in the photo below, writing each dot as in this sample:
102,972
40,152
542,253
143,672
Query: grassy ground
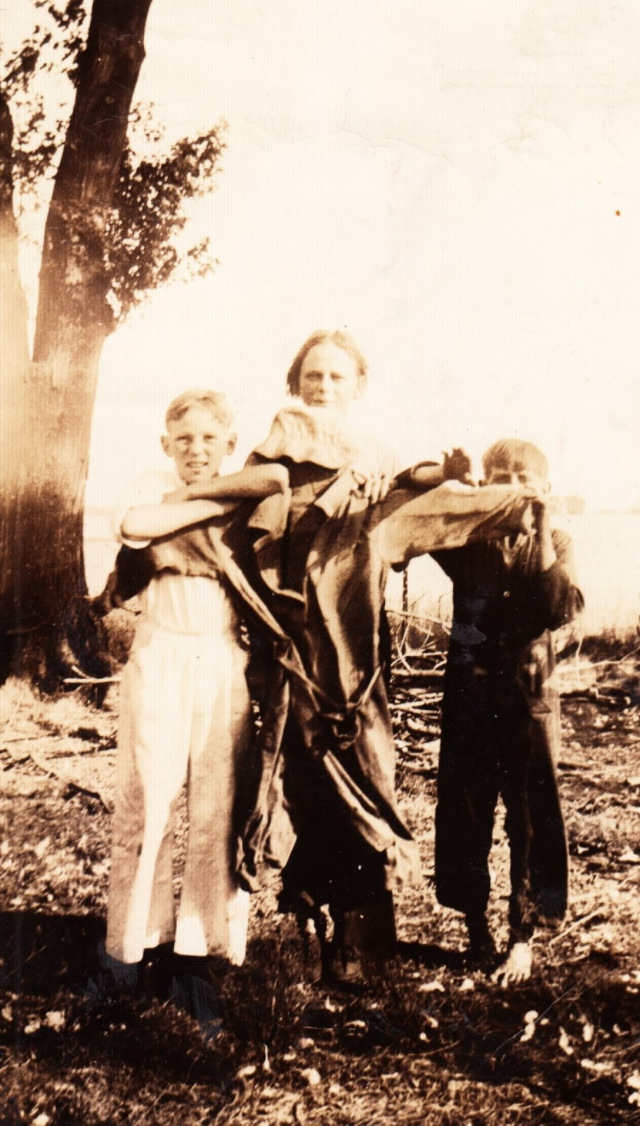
432,1043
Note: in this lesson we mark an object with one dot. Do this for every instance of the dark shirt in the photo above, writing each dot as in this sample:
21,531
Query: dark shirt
505,608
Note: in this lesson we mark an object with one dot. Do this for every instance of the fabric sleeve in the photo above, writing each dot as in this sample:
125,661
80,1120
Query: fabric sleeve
408,524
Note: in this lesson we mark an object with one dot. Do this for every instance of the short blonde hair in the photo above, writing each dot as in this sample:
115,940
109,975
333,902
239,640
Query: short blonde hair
337,337
213,401
513,453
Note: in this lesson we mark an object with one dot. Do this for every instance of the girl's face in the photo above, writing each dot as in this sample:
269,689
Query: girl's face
329,378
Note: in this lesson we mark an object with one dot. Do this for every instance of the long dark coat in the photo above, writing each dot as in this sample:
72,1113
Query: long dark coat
325,749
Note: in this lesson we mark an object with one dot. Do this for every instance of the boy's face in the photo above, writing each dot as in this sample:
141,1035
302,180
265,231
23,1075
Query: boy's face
517,475
198,442
329,378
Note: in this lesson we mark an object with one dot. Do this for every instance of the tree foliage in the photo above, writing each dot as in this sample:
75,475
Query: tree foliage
53,47
156,181
148,214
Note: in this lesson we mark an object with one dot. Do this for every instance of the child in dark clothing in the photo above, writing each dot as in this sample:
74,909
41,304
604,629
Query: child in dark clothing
501,718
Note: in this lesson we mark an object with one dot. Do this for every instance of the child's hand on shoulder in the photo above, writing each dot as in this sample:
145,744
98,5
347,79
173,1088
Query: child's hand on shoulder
372,486
373,476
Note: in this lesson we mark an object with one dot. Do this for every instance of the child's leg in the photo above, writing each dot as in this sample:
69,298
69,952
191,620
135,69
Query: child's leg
364,936
362,909
213,913
316,930
535,826
482,948
152,758
467,795
516,794
549,862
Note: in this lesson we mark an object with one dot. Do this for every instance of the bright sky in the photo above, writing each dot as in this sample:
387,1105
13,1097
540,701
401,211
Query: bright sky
456,184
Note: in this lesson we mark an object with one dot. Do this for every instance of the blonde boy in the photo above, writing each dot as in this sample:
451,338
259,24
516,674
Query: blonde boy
185,716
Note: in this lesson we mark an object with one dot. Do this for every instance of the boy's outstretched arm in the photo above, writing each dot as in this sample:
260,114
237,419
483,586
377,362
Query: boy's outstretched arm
260,480
191,504
455,466
424,475
146,522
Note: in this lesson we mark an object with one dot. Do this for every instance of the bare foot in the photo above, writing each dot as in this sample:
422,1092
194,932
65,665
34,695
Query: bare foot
517,967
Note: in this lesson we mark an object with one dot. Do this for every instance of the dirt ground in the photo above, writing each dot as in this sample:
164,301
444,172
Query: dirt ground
431,1043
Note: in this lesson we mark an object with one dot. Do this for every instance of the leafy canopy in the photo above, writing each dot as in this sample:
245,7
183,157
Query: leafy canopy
142,232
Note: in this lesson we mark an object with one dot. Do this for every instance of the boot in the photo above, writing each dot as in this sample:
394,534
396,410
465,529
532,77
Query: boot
364,939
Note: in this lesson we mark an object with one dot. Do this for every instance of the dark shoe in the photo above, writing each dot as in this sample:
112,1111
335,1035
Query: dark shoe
346,965
345,972
196,990
369,930
113,979
156,971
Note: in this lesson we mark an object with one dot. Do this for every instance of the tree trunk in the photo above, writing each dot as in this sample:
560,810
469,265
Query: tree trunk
43,590
74,316
14,354
14,366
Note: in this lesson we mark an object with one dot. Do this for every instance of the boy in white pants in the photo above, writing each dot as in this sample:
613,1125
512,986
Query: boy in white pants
185,717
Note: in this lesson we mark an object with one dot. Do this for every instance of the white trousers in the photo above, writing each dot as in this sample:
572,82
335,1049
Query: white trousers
185,716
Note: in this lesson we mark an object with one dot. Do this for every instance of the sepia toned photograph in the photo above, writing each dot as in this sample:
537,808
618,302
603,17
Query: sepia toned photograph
320,584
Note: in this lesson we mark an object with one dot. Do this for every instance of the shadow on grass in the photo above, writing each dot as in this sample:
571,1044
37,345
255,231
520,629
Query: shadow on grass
40,954
140,1048
432,957
52,1028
